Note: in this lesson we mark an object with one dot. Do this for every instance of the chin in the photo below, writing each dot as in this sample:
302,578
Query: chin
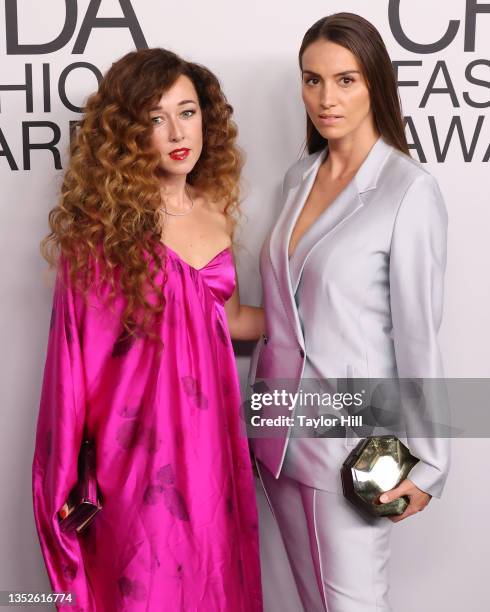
177,169
332,133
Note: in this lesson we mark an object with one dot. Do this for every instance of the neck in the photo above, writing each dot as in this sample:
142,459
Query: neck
346,154
173,191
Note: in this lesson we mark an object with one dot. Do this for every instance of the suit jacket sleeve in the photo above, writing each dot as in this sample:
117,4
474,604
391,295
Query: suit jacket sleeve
417,267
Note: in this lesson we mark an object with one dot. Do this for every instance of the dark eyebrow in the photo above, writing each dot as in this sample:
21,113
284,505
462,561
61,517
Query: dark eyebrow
157,108
339,74
344,72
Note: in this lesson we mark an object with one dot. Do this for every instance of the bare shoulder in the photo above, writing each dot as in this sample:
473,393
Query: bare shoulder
216,211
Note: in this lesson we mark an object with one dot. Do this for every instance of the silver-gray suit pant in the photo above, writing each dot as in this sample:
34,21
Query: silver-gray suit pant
338,557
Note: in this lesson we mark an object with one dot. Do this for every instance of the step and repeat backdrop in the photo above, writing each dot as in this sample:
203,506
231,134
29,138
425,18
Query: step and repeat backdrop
52,55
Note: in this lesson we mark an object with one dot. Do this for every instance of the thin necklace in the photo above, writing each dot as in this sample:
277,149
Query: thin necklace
181,214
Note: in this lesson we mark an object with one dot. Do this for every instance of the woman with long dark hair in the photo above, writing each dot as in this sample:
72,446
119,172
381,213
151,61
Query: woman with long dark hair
353,287
140,361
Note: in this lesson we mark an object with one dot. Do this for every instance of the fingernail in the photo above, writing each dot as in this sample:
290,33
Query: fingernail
383,498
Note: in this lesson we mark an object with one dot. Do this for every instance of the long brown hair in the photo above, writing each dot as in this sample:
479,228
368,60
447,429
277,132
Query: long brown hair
110,206
364,41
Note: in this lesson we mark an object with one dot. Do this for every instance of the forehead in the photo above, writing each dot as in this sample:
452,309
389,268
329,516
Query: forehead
327,58
182,89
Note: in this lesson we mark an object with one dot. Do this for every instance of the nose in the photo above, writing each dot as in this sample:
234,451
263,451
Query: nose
175,131
327,97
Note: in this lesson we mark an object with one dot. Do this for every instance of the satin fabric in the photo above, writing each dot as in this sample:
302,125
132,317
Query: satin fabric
178,529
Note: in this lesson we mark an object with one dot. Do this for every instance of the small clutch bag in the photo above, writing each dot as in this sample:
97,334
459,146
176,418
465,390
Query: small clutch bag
83,502
377,464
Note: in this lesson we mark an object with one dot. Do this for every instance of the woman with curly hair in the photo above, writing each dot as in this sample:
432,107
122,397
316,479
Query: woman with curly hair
139,357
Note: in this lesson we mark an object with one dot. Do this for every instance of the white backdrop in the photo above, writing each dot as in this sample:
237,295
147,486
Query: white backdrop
252,46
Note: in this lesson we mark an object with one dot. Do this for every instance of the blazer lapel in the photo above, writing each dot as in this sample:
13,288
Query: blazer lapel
295,197
340,210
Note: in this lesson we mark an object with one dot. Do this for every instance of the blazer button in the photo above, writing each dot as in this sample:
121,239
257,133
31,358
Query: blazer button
265,338
302,353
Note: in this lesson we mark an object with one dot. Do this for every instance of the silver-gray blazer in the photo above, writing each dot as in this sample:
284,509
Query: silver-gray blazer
362,297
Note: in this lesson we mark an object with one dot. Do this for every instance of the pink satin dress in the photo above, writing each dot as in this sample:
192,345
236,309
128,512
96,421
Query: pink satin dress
178,529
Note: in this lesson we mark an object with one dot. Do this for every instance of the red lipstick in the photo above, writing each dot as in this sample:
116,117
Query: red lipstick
179,154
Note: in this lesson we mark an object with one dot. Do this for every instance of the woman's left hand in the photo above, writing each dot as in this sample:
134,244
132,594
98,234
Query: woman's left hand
418,499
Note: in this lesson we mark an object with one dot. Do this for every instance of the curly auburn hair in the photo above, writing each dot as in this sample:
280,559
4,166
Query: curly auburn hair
110,207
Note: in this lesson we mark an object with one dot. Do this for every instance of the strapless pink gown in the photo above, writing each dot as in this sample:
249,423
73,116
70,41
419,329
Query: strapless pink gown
178,529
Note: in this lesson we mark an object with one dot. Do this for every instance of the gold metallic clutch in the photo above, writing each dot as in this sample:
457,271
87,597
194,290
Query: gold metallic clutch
377,464
83,502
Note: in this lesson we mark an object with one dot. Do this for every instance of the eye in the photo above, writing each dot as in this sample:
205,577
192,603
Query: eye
311,81
346,80
188,113
156,120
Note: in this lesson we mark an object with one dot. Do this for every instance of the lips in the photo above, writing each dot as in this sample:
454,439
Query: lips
179,154
330,119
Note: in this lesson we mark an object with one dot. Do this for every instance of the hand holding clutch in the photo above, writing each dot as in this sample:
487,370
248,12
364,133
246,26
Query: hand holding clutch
376,465
83,502
418,499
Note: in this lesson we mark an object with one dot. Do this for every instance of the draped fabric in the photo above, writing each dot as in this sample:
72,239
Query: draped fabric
178,528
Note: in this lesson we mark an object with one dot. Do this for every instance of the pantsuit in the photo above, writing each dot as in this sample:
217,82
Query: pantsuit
361,298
